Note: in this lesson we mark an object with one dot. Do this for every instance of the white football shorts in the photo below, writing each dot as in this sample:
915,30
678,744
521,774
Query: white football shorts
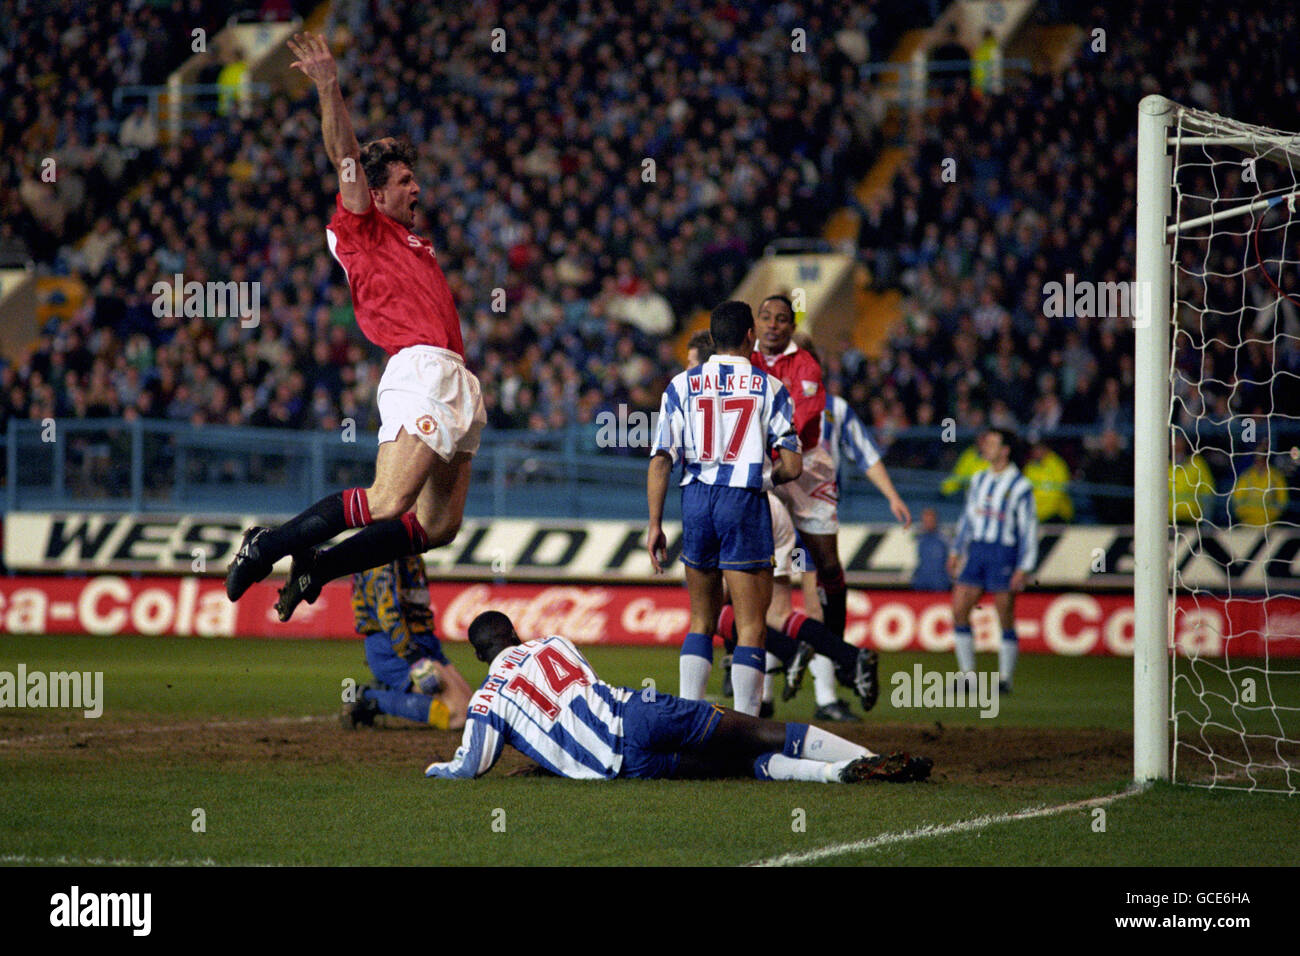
814,497
429,392
783,539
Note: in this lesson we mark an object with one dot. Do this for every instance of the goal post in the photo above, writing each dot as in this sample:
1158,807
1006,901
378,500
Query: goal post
1216,483
1151,408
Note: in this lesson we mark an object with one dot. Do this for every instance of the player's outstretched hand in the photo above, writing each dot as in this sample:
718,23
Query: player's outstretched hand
657,545
314,57
1017,582
901,513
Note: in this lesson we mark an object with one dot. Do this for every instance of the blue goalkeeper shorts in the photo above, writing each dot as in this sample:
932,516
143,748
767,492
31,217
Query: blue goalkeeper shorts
392,670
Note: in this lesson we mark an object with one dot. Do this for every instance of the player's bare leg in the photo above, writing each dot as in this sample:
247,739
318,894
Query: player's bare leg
696,661
400,469
964,599
1009,648
407,473
743,746
751,591
440,506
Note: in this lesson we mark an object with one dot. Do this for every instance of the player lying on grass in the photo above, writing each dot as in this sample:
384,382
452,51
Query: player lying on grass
542,698
415,679
430,410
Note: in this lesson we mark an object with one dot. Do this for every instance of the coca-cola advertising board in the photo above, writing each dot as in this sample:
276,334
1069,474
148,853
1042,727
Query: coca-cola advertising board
1066,623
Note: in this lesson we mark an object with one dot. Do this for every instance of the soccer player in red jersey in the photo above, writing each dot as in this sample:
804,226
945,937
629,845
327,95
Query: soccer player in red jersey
430,408
811,499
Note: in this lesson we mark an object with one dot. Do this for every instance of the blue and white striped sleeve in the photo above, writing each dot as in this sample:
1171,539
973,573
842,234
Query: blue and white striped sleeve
780,424
478,752
669,431
855,440
1027,529
962,538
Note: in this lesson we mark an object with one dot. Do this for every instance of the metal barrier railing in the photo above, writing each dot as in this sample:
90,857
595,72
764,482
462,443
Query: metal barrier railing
149,465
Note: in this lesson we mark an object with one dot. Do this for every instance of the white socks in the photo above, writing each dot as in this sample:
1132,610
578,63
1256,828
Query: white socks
822,669
693,675
747,679
1008,651
781,767
825,746
964,643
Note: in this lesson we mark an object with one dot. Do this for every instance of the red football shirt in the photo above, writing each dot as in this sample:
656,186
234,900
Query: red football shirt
398,290
802,378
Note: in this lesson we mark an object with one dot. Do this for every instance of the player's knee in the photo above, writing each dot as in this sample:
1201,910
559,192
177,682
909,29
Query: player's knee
441,530
385,506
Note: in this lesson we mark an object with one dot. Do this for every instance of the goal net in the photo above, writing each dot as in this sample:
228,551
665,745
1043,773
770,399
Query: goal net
1232,427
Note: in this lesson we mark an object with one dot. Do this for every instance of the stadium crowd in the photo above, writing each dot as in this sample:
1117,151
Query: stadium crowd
533,165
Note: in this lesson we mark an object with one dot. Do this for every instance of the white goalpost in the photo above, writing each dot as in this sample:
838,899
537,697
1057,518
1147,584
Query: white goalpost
1217,397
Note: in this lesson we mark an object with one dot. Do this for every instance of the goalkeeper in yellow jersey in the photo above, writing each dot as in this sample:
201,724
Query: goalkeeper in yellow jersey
415,679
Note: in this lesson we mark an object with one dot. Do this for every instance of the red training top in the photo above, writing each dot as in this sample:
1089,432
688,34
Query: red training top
802,378
398,290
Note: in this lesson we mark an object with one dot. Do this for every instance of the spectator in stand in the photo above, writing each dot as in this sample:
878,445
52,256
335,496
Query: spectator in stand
969,464
138,131
951,52
1191,484
1050,476
931,572
1260,495
983,67
1111,464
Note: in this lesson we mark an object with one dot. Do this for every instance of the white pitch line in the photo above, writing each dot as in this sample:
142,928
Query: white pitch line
150,729
947,829
96,861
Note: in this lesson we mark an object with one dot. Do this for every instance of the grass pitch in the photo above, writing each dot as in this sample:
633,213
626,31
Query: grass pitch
246,732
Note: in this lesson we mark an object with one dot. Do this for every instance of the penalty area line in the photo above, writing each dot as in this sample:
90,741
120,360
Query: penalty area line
939,830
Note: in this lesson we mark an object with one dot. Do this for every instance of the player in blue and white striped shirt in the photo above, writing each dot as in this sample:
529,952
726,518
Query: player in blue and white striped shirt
998,539
722,420
542,698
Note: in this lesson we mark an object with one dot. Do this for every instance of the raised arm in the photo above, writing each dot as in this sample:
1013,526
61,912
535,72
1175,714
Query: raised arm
317,63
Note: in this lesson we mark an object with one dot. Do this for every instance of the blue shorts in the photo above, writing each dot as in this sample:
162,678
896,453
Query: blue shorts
656,732
989,566
392,671
727,528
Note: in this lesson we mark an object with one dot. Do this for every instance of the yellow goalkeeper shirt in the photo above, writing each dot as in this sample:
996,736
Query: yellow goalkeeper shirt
1260,495
1189,484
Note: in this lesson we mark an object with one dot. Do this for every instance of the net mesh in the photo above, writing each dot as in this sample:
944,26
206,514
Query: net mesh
1235,446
